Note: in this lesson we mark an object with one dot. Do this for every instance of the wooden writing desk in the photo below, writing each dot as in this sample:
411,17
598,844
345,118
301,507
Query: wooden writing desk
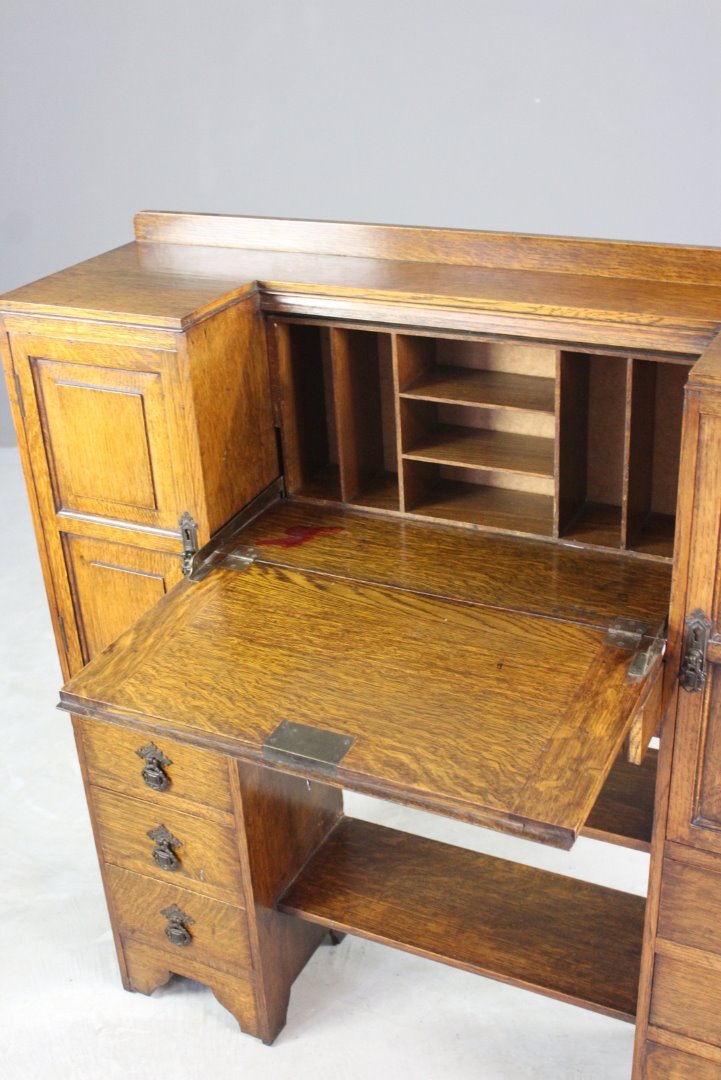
449,509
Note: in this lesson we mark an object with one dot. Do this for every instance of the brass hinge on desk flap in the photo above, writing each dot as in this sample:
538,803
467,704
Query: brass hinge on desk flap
692,673
645,658
625,633
223,548
189,537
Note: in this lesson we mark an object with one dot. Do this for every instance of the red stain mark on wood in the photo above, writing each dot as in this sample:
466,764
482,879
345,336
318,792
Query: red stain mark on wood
295,535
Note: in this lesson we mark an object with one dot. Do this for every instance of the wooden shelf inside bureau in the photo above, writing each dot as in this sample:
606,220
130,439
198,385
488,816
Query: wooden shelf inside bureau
566,938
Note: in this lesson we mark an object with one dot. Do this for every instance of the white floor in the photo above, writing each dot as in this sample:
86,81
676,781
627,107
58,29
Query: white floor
357,1011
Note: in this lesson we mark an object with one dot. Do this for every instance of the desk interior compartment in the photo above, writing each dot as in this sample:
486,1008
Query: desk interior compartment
477,431
591,440
619,445
338,414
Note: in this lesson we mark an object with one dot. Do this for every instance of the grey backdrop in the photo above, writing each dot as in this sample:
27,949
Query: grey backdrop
585,117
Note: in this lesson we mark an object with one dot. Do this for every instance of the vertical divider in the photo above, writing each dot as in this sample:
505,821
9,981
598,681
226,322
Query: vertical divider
571,451
395,348
638,448
343,404
364,416
412,356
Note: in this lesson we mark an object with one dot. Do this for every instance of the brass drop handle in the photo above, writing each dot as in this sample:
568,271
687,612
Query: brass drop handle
177,931
153,772
163,853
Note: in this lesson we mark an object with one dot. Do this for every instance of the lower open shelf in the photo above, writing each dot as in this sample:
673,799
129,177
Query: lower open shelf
562,937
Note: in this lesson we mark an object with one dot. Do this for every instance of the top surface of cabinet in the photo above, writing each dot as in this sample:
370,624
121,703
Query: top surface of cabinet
173,275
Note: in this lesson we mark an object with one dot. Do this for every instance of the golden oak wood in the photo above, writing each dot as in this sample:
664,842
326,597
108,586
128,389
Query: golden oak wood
112,585
664,1063
571,584
528,389
198,779
148,969
469,735
219,931
283,820
207,857
517,924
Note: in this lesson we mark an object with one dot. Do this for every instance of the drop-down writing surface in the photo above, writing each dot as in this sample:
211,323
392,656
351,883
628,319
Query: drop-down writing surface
501,718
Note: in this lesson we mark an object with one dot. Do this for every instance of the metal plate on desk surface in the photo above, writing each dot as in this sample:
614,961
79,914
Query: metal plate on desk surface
307,745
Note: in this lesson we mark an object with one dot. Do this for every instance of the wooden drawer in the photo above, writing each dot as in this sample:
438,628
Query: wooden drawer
690,911
196,776
218,931
686,999
202,855
662,1063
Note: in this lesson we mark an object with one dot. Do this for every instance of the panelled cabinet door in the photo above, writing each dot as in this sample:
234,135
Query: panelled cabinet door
695,804
106,427
113,585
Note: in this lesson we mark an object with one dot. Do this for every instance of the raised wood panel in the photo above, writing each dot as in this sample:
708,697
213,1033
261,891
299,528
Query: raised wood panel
113,585
107,441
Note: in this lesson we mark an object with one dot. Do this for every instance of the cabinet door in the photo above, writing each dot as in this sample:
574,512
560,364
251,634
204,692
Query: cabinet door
695,801
105,425
112,585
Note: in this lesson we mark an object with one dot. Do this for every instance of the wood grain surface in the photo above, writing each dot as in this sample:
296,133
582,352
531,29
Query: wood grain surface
198,780
568,583
207,853
441,698
219,931
567,938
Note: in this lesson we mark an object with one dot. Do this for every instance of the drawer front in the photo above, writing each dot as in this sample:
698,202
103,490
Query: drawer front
193,776
686,999
173,847
690,908
106,427
179,923
663,1063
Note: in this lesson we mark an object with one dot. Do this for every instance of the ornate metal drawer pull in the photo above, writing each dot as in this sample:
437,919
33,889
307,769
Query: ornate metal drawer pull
177,931
163,854
155,763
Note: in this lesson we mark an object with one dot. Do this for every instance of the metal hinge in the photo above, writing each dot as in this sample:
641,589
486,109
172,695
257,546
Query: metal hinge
692,674
189,536
19,393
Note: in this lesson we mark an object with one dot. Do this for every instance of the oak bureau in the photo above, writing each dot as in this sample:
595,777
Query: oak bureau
426,514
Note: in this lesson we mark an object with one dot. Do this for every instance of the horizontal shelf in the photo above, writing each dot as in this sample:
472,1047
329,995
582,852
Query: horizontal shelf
324,484
494,508
656,536
597,524
623,813
481,448
565,938
380,493
494,389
